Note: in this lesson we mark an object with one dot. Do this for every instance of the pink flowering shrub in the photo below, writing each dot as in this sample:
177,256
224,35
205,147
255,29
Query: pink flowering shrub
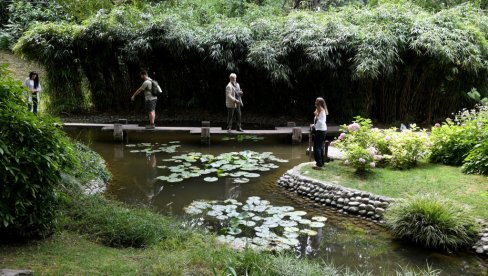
366,147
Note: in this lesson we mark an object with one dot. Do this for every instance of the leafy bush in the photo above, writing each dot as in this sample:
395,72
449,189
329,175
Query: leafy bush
462,141
33,153
432,222
408,147
477,160
113,223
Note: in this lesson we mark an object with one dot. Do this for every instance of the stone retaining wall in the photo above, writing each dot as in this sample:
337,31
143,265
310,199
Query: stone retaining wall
351,201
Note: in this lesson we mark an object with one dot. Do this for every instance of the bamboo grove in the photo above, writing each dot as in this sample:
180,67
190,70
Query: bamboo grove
390,62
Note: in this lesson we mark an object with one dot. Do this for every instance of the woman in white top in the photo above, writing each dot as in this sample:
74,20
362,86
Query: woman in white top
33,94
320,126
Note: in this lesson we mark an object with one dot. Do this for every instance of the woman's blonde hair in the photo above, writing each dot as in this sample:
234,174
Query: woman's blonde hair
322,104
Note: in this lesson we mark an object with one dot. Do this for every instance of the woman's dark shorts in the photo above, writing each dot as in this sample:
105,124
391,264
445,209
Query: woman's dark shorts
150,106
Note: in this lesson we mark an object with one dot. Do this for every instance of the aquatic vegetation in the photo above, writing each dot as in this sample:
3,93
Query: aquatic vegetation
241,138
241,166
255,223
150,148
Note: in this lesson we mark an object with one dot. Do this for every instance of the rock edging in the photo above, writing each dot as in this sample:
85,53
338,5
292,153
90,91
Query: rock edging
346,200
351,201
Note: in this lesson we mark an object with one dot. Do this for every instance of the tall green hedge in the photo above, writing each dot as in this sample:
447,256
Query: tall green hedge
33,153
389,62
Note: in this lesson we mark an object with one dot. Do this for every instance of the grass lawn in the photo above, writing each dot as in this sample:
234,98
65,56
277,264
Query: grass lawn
68,253
427,178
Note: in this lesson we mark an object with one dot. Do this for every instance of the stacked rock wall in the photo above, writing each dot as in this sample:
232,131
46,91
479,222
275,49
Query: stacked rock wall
351,201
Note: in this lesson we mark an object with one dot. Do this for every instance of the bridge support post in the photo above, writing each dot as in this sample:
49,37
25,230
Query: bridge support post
326,151
205,137
296,135
118,133
124,131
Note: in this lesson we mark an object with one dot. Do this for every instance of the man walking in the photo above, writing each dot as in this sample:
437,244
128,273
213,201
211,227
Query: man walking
150,100
233,102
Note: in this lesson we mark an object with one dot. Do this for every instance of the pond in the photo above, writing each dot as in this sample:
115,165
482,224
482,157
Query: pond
158,179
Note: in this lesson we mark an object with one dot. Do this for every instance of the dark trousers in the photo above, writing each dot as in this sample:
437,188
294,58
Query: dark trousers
33,107
231,112
318,147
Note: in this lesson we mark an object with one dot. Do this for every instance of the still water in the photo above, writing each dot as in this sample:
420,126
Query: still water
344,241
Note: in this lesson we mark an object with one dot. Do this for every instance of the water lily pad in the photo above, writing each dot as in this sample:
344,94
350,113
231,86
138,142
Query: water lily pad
317,224
308,232
234,231
291,229
193,211
214,213
210,179
297,213
288,223
240,180
174,180
222,217
291,235
249,223
319,219
305,221
251,175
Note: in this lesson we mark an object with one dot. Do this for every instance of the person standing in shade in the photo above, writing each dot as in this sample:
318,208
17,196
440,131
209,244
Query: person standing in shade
320,126
33,94
150,100
233,102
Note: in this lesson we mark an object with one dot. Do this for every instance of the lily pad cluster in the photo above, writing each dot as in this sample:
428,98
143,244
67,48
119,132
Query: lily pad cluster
256,223
241,138
150,148
241,166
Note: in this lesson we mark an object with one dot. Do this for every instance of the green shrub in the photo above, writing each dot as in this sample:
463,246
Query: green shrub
462,141
477,160
33,154
408,147
113,223
432,222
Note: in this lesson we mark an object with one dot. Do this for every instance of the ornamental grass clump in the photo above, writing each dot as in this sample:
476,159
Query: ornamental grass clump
432,222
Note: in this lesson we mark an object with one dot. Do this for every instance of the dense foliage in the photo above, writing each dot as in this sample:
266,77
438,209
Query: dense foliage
389,62
432,222
22,14
463,141
33,154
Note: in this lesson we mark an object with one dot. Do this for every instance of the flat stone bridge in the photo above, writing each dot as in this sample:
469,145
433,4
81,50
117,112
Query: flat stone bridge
121,130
